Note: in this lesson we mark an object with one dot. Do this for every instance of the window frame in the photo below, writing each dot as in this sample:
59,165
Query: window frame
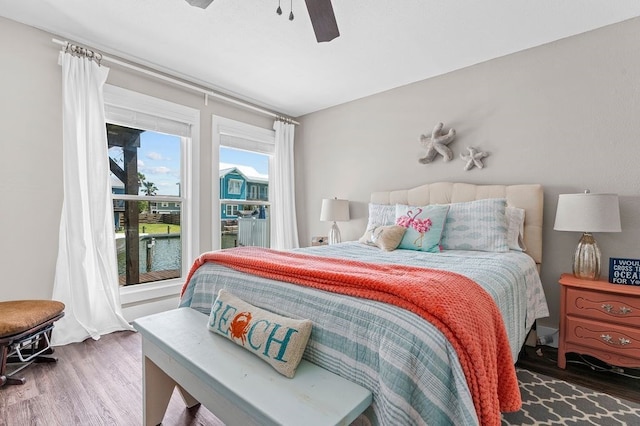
189,186
239,135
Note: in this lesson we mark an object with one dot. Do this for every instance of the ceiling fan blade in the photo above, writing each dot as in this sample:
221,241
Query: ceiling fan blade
323,19
200,3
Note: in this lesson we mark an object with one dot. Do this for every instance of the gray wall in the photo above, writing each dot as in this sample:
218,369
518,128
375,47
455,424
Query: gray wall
31,154
566,115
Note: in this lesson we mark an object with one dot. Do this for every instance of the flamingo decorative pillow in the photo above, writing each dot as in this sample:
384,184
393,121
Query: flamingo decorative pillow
424,226
278,340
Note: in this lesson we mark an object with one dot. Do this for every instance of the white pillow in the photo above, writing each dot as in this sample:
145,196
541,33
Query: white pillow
476,225
278,340
379,215
515,228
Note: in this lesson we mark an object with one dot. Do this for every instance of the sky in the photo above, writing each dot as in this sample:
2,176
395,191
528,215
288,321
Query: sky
159,160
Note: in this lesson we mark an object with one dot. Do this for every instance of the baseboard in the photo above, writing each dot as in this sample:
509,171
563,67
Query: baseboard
136,310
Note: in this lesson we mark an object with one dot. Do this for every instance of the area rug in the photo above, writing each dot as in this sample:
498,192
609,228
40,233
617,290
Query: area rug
549,401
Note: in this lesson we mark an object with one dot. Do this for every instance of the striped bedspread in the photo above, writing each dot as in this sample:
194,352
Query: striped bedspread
412,370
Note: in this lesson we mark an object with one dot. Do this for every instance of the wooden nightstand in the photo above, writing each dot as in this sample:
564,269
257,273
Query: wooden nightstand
600,319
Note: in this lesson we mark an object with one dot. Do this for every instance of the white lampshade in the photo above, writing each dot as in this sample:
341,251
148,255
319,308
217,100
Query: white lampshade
588,213
334,210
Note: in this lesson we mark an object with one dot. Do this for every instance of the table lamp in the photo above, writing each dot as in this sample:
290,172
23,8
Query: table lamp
334,210
587,213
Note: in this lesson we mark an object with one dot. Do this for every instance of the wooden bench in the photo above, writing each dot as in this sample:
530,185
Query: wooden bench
235,385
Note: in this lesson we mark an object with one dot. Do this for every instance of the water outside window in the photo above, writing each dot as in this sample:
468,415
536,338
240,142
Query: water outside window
145,182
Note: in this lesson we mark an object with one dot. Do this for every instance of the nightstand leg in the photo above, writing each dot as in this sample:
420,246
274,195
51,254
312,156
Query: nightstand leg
562,359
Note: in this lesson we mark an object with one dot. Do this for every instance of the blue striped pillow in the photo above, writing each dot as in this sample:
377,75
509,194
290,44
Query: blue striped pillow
476,225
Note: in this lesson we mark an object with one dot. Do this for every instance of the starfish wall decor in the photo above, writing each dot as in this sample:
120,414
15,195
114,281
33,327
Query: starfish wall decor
474,158
437,144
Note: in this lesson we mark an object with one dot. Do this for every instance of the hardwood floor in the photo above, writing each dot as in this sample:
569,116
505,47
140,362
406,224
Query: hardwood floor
584,371
100,383
93,383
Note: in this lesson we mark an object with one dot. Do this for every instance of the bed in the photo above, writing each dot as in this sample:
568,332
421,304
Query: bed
416,372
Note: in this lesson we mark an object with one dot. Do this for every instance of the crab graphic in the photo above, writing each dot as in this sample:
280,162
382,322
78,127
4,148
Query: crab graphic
240,326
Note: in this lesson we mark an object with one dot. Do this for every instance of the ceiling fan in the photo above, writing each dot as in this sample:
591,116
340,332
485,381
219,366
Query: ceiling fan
320,11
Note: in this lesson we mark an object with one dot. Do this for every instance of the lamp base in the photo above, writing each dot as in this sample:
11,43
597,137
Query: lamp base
334,234
586,260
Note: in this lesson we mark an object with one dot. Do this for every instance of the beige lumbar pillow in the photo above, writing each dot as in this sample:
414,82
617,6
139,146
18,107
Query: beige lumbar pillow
385,237
278,340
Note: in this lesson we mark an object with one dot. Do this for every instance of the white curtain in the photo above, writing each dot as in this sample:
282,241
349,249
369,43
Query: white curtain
284,226
86,278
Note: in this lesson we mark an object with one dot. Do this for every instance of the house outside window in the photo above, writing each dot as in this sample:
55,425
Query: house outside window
245,152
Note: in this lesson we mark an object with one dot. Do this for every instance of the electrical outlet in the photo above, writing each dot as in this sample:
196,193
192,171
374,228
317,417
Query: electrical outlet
548,332
545,340
319,241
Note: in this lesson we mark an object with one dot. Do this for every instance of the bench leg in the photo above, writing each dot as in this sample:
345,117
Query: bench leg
189,400
157,389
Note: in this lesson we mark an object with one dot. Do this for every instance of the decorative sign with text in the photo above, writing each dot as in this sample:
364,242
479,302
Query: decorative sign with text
624,271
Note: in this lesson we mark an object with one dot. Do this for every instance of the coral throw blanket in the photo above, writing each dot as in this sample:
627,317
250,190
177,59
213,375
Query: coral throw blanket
456,305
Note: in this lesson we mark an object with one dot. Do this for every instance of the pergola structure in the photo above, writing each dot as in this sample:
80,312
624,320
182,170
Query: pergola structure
129,140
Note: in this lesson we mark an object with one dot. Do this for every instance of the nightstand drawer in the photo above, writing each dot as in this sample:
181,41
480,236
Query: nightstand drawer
609,338
617,308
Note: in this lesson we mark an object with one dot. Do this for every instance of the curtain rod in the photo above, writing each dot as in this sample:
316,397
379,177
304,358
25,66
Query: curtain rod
172,80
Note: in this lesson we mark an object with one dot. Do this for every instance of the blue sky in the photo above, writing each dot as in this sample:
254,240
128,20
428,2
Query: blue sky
159,160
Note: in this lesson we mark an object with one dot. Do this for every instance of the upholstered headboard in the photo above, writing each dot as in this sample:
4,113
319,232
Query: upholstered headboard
527,197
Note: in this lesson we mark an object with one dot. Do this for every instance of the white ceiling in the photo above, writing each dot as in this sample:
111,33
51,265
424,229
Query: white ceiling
245,49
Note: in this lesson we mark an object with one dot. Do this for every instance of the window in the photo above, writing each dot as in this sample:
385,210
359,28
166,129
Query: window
151,146
235,187
253,192
148,165
246,150
232,210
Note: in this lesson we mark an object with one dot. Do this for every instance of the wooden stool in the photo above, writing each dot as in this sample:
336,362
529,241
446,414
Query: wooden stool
25,334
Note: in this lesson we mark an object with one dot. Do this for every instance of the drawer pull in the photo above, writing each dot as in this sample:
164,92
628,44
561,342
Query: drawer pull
622,311
622,341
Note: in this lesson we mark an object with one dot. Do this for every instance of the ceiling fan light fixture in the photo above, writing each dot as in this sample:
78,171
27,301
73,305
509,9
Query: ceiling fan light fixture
200,3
